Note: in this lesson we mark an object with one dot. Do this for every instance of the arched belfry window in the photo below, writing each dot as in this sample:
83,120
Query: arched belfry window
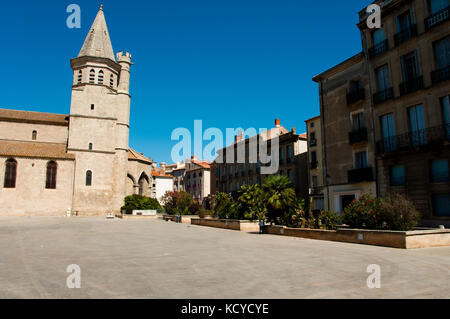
100,77
34,135
89,178
10,173
91,146
80,77
52,169
92,76
111,80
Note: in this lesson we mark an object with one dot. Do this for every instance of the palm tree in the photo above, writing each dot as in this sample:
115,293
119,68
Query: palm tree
279,196
251,202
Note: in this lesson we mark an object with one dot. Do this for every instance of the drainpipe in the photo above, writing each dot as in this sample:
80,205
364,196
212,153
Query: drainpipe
366,55
324,143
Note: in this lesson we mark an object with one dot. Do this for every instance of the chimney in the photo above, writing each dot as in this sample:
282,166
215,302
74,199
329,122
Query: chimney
294,131
163,167
277,123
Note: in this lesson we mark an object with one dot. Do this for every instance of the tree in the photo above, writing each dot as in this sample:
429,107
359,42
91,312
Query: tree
138,202
251,203
177,203
279,197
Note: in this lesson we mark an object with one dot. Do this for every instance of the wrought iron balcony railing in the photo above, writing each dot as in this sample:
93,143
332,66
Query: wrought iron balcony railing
359,175
355,96
440,75
383,96
437,18
411,85
415,139
406,34
378,49
359,135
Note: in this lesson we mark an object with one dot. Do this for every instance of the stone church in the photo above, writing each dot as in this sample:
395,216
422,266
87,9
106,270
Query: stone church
81,162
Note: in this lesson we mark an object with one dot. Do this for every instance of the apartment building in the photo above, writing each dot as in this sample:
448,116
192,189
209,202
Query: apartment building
347,161
178,172
315,163
229,177
393,100
409,68
198,178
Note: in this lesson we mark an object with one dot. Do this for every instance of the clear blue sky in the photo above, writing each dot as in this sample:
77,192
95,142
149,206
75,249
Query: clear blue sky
230,63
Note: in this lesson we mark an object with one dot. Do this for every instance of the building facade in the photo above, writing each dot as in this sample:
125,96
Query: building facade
230,177
198,178
81,162
403,93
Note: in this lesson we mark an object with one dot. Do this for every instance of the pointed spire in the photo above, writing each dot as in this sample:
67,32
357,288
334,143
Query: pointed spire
97,42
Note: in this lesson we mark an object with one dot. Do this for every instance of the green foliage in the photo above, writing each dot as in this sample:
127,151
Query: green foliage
302,218
251,203
194,208
279,197
202,213
177,203
225,207
394,212
138,202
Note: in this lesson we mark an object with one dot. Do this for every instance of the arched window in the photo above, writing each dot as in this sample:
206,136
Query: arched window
100,77
10,173
111,80
52,168
91,146
34,136
89,178
92,76
80,77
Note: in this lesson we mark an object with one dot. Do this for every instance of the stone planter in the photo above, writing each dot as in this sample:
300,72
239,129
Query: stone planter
394,239
231,224
184,219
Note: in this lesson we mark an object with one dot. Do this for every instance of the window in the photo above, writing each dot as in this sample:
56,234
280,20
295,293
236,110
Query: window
10,173
231,187
51,175
92,76
100,77
441,205
92,107
80,77
404,21
34,135
319,203
410,67
360,159
442,53
378,37
313,157
231,170
445,102
439,171
388,131
111,80
315,181
281,155
289,174
91,146
357,121
438,5
398,175
382,74
89,178
289,153
417,125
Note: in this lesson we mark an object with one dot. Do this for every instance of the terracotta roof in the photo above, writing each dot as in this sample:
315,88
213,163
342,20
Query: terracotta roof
33,117
203,164
34,150
160,174
304,135
135,156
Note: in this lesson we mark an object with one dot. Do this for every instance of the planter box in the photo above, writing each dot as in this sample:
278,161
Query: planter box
231,224
184,219
394,239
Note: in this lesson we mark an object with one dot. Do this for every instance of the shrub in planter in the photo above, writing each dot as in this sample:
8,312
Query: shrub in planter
397,213
363,213
222,203
250,203
327,220
279,197
202,213
194,208
177,203
138,202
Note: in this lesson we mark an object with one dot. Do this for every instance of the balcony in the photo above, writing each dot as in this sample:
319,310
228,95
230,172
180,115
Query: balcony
383,96
357,136
356,96
314,164
313,142
436,19
405,35
440,75
411,85
411,141
316,190
360,175
378,49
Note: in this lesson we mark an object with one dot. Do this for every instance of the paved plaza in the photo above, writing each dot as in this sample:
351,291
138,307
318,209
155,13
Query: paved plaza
157,259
